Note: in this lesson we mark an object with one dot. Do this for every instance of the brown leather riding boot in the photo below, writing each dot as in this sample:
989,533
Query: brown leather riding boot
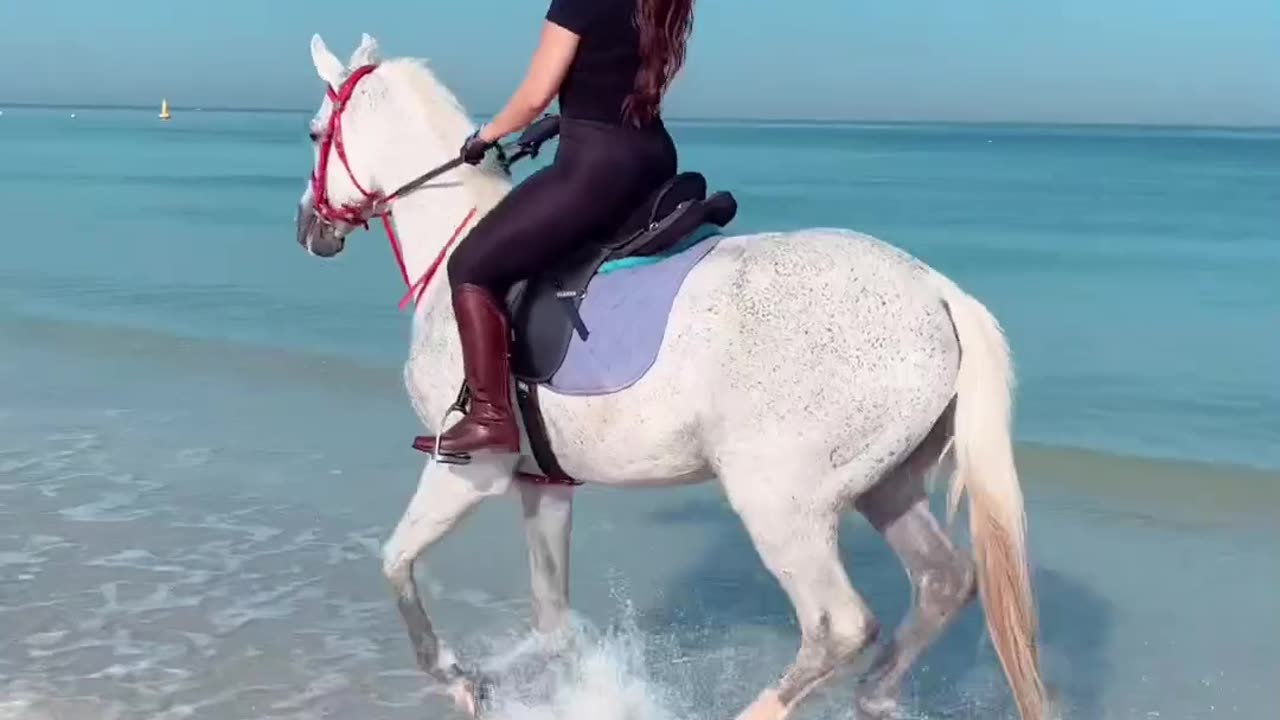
490,424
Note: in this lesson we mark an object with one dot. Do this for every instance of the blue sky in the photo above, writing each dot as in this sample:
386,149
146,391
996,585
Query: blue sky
1131,61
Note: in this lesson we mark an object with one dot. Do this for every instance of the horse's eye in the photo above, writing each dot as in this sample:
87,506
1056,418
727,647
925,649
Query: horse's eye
313,135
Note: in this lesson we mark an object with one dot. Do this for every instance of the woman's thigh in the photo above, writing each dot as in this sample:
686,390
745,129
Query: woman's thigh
550,213
599,175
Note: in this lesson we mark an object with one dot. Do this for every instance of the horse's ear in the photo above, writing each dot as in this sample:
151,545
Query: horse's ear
328,66
367,54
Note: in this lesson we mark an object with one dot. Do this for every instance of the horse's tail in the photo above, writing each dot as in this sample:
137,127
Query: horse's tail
984,467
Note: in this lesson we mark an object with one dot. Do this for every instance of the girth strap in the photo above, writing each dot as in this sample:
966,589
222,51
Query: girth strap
539,443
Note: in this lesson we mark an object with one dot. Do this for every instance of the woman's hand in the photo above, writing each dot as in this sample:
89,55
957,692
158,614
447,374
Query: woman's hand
541,84
474,149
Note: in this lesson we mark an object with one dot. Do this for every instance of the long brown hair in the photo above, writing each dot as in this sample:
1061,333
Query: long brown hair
664,27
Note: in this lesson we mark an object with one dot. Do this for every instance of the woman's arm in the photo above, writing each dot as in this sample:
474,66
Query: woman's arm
547,69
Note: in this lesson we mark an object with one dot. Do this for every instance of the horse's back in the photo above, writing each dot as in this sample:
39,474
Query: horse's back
823,333
803,291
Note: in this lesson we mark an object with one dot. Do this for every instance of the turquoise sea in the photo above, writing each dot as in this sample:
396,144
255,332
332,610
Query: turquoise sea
204,433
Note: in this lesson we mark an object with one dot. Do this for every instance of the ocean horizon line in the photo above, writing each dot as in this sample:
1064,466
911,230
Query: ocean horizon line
708,119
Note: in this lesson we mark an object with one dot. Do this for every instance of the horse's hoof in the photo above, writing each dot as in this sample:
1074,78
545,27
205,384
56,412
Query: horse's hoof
766,707
464,698
472,695
876,708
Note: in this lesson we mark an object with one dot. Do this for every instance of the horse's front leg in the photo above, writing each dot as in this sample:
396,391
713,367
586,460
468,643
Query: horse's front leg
548,520
445,494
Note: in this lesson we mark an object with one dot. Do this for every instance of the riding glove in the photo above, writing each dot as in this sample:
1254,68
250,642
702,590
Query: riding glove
474,149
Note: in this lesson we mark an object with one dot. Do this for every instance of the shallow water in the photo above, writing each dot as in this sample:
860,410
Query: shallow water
203,437
157,565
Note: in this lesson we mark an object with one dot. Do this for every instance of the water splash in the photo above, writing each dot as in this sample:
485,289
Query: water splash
585,674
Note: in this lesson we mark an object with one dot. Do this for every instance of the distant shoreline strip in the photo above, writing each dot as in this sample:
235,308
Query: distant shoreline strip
694,119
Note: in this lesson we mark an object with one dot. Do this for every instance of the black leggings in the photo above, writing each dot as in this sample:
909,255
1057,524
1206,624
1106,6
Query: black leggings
599,174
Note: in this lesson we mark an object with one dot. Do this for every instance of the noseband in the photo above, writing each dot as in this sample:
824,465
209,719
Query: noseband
374,204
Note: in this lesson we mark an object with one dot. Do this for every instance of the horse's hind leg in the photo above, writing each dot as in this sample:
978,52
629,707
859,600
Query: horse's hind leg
942,580
795,535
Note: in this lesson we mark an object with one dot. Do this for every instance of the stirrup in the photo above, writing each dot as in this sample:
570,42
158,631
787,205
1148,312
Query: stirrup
451,458
459,405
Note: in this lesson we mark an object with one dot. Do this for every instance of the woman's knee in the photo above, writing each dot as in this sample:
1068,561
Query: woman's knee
466,266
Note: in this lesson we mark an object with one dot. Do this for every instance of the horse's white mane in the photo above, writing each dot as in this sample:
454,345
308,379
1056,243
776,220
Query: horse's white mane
447,119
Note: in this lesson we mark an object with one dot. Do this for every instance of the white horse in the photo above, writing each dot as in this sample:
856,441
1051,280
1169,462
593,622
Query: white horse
808,372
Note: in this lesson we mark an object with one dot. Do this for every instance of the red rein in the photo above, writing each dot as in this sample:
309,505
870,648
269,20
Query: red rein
374,204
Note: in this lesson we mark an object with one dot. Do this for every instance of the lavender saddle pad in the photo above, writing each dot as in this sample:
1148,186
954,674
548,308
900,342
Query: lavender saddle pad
626,309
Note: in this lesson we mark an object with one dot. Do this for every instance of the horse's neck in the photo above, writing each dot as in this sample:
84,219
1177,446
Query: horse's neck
429,217
425,221
432,222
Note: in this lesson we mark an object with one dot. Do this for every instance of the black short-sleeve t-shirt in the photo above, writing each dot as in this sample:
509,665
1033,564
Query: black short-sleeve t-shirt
604,69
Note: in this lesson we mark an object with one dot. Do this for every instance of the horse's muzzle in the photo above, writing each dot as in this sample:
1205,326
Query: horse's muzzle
318,237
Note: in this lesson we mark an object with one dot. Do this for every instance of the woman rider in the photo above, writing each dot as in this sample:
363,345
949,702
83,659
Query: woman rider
610,62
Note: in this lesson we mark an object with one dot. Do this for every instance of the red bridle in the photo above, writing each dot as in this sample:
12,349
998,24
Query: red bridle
374,204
